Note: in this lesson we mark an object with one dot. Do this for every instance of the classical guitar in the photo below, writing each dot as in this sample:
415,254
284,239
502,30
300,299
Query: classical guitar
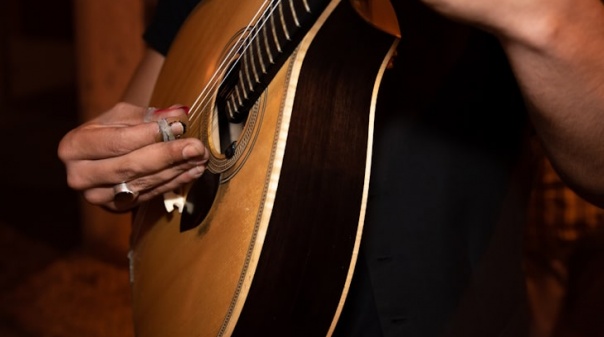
264,243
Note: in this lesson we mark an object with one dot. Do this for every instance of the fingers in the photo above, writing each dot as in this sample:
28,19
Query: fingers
147,187
101,139
146,148
145,161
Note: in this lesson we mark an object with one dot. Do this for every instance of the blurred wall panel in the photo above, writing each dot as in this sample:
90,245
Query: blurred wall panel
108,47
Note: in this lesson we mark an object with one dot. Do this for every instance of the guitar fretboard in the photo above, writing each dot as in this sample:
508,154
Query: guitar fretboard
268,44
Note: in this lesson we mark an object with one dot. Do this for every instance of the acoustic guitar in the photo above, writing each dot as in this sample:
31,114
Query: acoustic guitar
283,94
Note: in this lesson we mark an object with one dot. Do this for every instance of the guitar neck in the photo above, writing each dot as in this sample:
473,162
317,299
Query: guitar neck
267,44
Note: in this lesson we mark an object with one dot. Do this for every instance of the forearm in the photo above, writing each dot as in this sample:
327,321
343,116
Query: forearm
141,85
556,49
559,63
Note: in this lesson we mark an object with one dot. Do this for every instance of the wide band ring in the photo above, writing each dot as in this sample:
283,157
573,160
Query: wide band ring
122,194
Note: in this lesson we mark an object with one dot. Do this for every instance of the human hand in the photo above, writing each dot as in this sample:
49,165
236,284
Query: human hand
125,145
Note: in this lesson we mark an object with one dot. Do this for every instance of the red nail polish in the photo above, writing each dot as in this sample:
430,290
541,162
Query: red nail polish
173,107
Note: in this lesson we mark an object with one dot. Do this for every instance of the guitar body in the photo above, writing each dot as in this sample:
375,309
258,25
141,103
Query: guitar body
268,242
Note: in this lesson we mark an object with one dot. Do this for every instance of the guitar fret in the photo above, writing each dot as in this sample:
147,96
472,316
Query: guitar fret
282,17
229,108
233,104
306,6
254,70
246,72
274,31
294,14
260,58
238,94
266,46
241,85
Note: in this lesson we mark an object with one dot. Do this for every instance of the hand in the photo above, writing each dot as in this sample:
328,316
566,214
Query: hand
121,146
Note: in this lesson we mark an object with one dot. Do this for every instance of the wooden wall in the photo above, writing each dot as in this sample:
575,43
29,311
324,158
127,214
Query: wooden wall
108,47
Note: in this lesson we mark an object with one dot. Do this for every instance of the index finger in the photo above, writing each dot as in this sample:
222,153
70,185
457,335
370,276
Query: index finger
98,141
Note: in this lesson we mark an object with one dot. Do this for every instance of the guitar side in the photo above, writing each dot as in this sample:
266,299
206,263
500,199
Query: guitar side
275,253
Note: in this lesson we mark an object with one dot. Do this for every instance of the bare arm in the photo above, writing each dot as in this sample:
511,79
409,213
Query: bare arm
143,81
556,48
562,76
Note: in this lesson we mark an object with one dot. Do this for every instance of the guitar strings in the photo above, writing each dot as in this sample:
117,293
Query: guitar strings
203,100
244,42
199,105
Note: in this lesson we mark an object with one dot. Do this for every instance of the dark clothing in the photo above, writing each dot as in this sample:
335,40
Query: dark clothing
441,251
168,17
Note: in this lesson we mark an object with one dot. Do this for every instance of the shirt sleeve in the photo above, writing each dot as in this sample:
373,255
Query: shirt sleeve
166,21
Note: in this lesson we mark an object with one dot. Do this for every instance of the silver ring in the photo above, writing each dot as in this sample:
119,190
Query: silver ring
122,194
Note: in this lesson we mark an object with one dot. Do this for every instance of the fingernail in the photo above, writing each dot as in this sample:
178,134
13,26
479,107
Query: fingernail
174,107
171,128
190,151
196,171
178,128
198,162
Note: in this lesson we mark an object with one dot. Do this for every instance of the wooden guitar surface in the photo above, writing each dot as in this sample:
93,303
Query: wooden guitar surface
268,241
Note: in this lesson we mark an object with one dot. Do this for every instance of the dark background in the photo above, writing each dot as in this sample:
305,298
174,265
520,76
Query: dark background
52,285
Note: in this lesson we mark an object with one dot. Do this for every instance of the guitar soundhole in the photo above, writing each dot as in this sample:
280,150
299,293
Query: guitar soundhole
232,125
230,122
199,201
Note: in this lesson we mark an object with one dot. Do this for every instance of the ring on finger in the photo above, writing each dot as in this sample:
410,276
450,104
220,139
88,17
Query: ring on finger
122,194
